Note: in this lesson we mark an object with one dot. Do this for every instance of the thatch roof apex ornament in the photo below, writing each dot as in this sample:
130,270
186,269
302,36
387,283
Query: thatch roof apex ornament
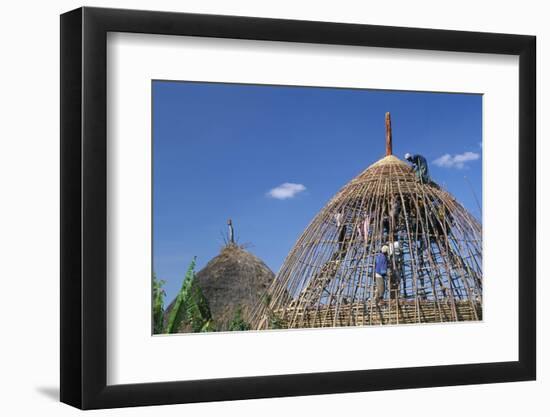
389,149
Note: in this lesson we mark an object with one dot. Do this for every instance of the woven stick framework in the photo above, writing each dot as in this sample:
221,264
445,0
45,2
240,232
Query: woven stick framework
328,277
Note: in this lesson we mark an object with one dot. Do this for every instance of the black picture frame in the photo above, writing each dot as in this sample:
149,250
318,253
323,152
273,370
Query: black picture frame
84,207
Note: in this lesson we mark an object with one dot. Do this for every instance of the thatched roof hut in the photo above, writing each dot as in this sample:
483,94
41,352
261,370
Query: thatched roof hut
233,280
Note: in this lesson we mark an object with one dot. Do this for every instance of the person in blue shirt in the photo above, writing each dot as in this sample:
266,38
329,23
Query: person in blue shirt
420,166
380,273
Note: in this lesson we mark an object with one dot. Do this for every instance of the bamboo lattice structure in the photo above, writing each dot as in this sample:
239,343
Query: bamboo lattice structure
435,256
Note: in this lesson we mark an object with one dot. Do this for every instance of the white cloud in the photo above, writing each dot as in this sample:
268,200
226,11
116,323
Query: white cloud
456,161
286,190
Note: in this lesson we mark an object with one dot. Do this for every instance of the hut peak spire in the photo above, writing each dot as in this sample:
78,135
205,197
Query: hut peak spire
388,135
231,231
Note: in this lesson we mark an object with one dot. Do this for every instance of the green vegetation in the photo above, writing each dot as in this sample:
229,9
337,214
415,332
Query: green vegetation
274,321
238,323
190,308
158,305
208,327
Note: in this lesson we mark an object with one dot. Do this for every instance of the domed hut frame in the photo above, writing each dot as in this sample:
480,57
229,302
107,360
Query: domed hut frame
328,278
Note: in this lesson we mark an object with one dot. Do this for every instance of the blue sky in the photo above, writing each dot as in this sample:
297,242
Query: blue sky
227,150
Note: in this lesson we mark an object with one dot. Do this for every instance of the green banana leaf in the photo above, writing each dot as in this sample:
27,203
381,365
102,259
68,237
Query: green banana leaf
190,306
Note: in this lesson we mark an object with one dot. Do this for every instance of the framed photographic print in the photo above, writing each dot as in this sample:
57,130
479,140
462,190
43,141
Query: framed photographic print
258,207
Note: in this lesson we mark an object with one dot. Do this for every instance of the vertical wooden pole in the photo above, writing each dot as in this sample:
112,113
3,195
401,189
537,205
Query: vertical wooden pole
388,135
231,232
